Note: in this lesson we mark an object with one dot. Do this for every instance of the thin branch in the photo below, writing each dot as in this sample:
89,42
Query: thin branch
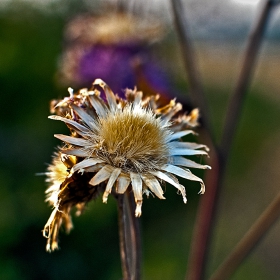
206,212
248,242
245,76
190,62
204,221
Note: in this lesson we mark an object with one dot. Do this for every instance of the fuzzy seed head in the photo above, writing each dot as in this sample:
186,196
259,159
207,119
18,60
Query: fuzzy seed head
133,139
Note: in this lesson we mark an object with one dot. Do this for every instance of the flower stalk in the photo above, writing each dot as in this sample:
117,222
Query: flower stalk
130,239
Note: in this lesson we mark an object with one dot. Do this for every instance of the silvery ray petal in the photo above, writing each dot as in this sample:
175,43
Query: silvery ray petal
123,183
72,140
153,185
188,145
86,163
82,130
184,174
86,118
180,134
46,230
99,105
168,179
136,183
137,97
111,99
103,174
94,168
114,176
186,152
76,152
177,160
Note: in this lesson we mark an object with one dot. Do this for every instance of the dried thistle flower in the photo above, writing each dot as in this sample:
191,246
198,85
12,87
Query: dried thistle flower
117,145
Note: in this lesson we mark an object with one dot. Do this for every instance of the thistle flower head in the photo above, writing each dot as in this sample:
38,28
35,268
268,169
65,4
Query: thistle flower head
114,28
118,145
97,44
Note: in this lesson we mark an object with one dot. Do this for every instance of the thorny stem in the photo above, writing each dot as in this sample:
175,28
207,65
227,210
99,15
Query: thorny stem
129,234
250,239
206,212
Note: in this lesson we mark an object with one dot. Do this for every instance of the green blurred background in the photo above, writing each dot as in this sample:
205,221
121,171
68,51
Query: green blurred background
30,44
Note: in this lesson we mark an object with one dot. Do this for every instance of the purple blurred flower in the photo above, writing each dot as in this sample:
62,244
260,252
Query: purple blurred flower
115,49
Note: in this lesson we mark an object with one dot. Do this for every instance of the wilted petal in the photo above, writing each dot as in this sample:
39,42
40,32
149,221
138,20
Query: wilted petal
86,118
103,174
138,210
76,152
86,163
122,183
184,174
82,130
94,168
153,185
173,181
174,110
99,105
72,140
180,134
136,183
177,160
111,99
111,181
186,152
188,145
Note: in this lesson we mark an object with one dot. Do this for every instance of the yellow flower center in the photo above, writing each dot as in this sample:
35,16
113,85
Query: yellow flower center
133,139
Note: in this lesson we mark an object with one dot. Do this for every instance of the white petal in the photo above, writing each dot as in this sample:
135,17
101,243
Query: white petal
188,145
86,163
72,140
86,118
138,210
99,105
186,152
103,174
177,160
111,181
180,134
173,181
76,152
78,127
184,174
108,92
153,185
136,183
122,183
94,168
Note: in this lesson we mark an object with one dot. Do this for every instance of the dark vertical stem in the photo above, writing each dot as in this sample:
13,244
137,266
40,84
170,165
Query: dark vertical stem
190,62
129,233
123,238
214,179
250,239
135,236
